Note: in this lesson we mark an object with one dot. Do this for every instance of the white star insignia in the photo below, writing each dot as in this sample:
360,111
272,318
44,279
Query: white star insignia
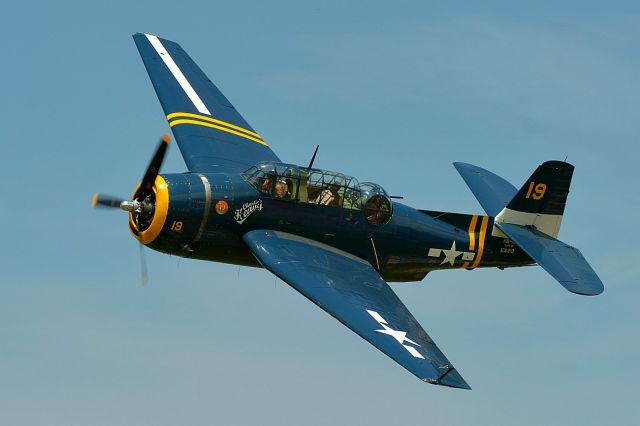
400,336
451,254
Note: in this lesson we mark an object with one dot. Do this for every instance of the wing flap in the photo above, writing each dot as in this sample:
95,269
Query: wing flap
351,291
563,262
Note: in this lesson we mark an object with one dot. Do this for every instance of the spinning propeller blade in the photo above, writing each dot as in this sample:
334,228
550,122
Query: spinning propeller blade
150,175
144,274
142,205
108,201
148,180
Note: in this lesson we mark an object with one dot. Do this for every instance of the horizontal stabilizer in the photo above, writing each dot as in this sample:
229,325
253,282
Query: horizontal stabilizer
565,263
492,191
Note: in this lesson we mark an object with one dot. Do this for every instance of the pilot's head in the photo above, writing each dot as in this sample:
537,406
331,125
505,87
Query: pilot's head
281,189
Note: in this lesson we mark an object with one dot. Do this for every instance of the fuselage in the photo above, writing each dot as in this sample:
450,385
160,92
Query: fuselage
207,214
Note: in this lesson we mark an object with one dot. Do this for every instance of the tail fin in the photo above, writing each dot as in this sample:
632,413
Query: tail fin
532,220
541,200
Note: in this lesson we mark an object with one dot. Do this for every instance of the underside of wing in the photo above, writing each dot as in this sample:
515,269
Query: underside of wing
350,290
211,133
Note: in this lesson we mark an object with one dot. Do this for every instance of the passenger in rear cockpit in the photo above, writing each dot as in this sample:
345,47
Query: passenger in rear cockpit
329,197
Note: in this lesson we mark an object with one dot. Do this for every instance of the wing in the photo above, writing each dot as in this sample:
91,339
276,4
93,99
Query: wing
351,291
563,262
211,134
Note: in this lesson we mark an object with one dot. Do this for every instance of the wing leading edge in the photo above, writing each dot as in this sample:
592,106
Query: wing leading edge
351,291
211,133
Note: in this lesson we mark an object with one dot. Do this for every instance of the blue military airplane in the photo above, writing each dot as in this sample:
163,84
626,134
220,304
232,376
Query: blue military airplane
332,238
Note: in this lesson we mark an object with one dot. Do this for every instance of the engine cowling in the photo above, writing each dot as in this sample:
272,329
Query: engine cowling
147,221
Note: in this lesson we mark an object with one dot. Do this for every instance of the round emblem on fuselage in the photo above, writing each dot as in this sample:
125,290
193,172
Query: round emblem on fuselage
222,207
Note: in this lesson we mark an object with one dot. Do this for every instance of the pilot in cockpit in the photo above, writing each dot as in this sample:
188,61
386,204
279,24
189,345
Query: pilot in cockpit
329,196
281,190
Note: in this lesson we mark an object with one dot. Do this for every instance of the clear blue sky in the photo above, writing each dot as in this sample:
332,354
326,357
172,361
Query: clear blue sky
393,92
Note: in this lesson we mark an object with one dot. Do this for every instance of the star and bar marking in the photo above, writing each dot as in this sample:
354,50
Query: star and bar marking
451,254
400,336
471,258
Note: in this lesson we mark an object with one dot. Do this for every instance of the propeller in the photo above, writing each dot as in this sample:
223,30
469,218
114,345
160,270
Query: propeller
142,205
107,201
144,274
150,175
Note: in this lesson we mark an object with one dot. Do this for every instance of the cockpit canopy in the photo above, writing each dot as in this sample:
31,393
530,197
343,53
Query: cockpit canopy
322,187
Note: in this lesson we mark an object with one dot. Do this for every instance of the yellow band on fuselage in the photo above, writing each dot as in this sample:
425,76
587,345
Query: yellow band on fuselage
481,238
472,237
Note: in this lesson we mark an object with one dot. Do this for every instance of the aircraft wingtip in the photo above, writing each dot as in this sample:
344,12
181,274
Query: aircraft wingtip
451,379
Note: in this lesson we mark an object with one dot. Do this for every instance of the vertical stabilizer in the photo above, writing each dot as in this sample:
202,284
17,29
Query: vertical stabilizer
541,200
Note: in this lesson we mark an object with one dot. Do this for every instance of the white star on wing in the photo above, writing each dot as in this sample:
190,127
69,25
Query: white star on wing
400,336
451,254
